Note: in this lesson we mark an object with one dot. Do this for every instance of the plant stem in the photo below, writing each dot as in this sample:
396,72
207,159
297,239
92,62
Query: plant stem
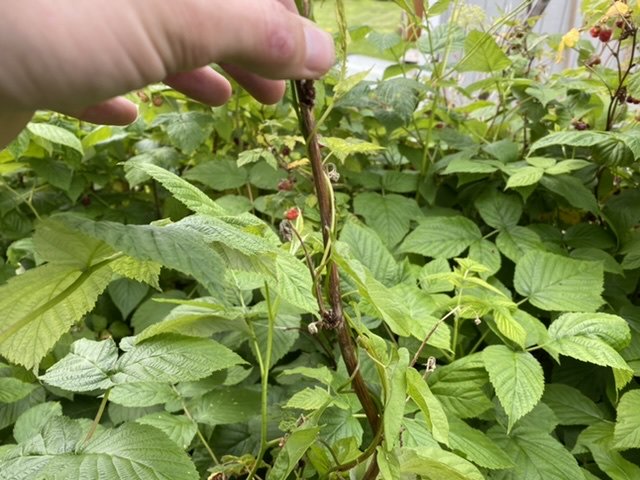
98,417
305,95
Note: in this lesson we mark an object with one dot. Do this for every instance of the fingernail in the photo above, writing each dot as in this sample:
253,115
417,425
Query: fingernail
320,53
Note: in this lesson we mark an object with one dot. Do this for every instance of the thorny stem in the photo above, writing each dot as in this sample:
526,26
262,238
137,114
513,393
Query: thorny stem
305,93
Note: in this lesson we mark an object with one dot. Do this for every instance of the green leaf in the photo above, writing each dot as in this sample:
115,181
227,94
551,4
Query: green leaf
517,241
460,386
499,210
573,191
142,394
486,253
174,246
571,406
571,139
389,215
517,378
421,394
310,399
322,374
58,174
627,430
178,428
135,451
445,237
218,174
13,389
482,54
477,446
41,305
553,282
297,443
31,422
525,176
174,358
192,198
388,464
57,135
186,130
599,439
342,148
87,367
225,405
536,454
590,337
437,464
366,247
395,398
127,294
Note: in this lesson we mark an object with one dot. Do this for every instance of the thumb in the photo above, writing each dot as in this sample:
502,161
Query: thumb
262,36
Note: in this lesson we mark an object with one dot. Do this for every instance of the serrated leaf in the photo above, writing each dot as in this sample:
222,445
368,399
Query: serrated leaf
536,454
476,446
435,464
389,215
573,191
57,135
142,394
486,253
515,242
420,393
173,246
186,130
225,405
599,439
367,247
310,399
42,304
342,148
571,406
627,430
192,198
572,139
590,337
218,174
517,378
87,367
482,54
442,237
460,387
174,358
297,443
134,451
525,176
499,210
395,398
178,428
322,374
13,389
553,282
127,294
31,422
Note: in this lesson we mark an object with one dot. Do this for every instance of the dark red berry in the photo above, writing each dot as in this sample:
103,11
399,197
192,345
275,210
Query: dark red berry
86,200
286,185
605,35
620,23
595,31
580,125
286,151
158,100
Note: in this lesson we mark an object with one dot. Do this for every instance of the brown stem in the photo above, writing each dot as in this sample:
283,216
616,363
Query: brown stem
333,318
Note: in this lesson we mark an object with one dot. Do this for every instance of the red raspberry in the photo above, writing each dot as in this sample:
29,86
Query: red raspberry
292,214
595,31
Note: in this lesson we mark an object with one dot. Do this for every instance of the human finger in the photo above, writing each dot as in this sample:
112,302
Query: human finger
115,111
264,37
202,84
262,89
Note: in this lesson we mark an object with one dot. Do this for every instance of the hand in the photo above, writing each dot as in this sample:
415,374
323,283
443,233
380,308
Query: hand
76,57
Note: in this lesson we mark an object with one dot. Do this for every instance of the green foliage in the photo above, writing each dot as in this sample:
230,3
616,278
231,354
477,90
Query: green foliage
166,288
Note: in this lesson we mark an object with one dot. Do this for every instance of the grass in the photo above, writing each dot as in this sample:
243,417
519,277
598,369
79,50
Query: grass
380,15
